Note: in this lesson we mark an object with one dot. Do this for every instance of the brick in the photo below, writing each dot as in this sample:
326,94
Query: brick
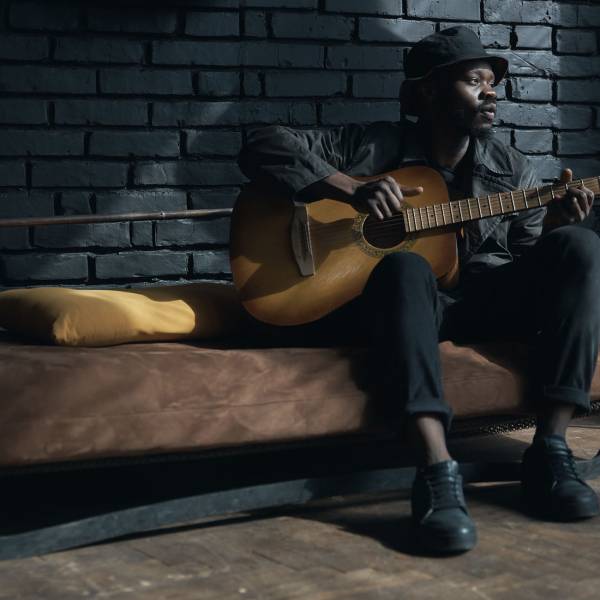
232,113
577,66
196,52
252,84
84,235
533,36
218,143
579,142
12,173
582,167
255,24
145,81
132,19
218,83
494,36
444,9
125,201
98,50
134,143
20,142
45,267
578,91
141,264
377,85
391,8
522,11
544,115
59,80
214,198
538,141
576,42
75,203
393,30
531,89
369,58
588,16
305,84
14,238
335,113
282,3
55,16
211,263
142,233
192,172
271,54
79,173
26,204
212,24
22,111
192,232
100,112
303,26
22,47
529,62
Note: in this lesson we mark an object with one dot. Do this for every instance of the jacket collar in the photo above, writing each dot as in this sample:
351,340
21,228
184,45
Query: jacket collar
488,153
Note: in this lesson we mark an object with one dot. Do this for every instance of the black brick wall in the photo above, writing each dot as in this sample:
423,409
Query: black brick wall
142,106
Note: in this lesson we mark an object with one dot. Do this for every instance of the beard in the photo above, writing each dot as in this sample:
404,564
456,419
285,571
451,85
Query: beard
468,123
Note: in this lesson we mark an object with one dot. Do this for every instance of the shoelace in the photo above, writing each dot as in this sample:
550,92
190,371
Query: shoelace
445,492
563,464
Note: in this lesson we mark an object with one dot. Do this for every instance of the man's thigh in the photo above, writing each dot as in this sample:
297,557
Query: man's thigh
497,304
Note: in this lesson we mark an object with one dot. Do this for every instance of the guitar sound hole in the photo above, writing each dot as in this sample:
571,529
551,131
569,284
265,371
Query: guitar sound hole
384,234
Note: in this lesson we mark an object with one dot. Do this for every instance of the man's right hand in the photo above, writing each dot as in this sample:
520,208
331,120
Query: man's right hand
381,198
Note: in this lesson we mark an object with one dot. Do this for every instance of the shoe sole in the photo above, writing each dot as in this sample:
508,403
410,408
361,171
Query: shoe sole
570,512
446,544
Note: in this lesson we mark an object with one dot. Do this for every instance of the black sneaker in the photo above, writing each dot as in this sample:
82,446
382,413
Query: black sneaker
440,517
550,484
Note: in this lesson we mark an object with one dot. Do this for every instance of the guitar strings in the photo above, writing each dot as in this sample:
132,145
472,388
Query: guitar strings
397,219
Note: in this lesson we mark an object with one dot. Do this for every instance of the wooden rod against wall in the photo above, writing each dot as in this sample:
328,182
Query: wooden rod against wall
108,218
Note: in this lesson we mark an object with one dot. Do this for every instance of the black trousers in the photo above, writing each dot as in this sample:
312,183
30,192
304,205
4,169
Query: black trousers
549,297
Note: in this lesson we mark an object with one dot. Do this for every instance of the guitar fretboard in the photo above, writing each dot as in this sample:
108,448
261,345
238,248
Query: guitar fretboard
470,209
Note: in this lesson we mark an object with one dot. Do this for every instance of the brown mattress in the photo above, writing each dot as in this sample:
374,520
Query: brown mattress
60,403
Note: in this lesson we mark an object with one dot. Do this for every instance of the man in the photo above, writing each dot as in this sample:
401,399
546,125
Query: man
514,281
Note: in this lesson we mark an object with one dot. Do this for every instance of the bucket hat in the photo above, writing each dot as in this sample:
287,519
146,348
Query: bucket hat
443,49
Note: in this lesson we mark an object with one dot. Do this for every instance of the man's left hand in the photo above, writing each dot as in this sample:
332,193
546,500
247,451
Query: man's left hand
574,205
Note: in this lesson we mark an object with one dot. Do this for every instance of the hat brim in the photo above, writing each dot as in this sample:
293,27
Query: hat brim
499,66
409,106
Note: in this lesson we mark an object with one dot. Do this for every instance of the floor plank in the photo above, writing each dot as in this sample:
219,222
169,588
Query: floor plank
346,548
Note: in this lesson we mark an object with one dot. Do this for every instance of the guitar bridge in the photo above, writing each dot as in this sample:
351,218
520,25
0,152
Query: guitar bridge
300,238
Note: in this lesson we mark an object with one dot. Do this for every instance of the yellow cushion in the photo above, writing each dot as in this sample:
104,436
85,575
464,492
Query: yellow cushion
80,317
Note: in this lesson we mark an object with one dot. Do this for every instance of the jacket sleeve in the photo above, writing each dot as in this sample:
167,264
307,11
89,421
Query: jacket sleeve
526,227
294,159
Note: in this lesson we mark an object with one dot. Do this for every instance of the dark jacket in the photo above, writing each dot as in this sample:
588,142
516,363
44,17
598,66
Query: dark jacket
293,159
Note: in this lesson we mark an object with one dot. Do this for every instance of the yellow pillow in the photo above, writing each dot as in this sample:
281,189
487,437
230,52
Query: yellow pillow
80,317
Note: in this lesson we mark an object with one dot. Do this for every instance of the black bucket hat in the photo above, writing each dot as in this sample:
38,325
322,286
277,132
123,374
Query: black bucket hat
443,49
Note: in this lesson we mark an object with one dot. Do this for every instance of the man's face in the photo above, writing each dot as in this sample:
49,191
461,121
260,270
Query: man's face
466,100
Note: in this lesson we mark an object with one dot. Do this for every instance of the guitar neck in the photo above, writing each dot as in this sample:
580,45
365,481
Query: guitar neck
470,209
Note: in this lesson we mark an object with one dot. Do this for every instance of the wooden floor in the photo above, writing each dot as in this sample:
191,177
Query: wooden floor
344,548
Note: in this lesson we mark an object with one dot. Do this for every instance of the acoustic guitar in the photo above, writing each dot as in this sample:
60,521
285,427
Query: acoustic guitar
295,263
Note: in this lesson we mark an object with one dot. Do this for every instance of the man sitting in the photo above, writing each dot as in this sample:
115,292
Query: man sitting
514,281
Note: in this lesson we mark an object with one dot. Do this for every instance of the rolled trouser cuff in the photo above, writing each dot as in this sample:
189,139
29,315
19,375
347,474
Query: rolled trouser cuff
431,407
566,395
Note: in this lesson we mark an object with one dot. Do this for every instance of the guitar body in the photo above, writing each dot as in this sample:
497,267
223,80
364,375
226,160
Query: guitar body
337,248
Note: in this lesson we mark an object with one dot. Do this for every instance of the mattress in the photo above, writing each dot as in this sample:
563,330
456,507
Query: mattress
62,403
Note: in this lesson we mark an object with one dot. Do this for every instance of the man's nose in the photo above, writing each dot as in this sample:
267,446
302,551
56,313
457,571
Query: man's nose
489,91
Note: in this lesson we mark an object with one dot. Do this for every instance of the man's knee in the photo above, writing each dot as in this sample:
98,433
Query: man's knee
405,267
401,274
579,246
